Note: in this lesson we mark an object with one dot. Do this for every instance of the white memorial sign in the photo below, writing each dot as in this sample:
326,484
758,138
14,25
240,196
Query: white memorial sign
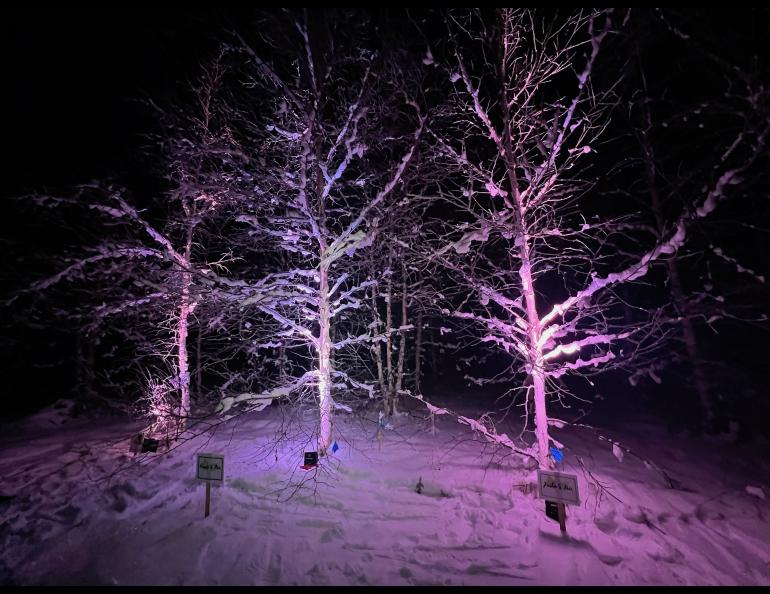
211,467
558,487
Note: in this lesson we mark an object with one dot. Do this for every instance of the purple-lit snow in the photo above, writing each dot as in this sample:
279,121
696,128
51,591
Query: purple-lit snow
362,522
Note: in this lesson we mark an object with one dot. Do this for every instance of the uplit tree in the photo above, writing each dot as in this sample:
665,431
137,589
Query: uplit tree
146,275
329,137
537,259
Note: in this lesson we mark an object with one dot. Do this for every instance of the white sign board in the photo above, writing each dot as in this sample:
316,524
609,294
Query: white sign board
211,467
558,487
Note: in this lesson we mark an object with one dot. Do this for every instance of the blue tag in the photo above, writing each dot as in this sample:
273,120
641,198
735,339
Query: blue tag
335,447
556,454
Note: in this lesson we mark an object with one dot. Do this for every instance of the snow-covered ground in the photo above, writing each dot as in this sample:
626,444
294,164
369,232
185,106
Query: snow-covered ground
77,508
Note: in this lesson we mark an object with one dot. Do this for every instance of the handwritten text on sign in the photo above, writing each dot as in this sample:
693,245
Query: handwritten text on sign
555,486
211,467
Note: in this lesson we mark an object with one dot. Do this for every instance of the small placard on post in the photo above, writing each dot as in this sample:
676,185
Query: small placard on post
558,490
210,468
557,486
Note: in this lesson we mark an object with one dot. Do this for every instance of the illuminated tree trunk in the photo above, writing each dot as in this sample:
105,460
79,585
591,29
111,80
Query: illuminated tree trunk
184,371
535,364
185,309
324,363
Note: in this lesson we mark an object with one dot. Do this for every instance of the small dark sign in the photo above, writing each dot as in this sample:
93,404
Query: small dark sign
552,510
311,458
149,445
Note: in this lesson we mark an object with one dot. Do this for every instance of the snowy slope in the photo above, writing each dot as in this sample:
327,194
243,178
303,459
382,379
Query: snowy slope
77,508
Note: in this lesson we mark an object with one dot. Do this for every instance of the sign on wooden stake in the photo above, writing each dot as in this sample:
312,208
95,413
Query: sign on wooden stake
557,489
210,468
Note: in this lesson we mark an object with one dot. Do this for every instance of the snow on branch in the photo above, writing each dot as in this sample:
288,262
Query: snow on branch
152,232
576,345
580,363
343,238
478,108
490,434
368,388
103,311
508,331
79,266
268,395
293,326
641,267
596,41
738,267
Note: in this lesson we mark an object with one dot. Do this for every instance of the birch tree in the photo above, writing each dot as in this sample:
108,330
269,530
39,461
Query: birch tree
542,275
330,139
146,274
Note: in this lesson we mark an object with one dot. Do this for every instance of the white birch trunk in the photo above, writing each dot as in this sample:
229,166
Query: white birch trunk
182,363
185,308
324,363
536,370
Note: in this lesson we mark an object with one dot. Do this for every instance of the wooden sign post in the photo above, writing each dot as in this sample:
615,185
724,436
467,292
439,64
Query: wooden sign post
562,516
557,489
210,468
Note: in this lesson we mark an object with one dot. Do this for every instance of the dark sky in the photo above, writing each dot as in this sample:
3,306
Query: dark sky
71,76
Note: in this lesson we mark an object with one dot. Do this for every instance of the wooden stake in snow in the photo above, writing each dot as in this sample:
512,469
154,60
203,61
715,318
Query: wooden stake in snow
562,517
208,500
210,468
